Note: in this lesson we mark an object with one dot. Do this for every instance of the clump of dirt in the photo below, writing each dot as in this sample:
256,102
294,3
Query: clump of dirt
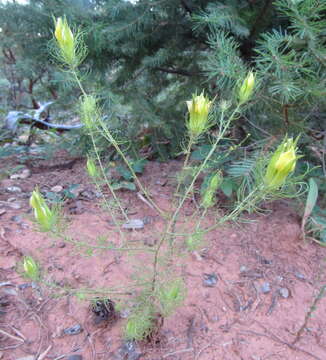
250,287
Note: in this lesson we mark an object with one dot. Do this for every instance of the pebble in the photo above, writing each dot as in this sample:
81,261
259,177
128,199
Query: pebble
11,199
75,357
210,280
14,189
87,194
57,188
24,286
17,219
98,194
284,293
2,211
133,224
73,330
26,173
243,268
299,276
128,351
161,182
265,288
61,245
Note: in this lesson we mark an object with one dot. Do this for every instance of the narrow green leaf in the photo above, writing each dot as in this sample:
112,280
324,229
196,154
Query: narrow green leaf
311,198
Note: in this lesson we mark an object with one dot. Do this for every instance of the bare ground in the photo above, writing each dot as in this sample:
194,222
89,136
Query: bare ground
264,305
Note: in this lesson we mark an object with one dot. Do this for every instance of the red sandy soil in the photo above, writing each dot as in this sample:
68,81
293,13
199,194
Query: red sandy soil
232,320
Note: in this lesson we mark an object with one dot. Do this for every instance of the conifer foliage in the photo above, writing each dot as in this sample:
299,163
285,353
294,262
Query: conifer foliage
150,55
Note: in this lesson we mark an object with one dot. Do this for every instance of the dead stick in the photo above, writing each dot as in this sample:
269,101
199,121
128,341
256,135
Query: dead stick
10,336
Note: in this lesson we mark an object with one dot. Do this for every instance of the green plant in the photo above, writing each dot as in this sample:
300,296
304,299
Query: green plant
314,219
155,297
30,268
47,218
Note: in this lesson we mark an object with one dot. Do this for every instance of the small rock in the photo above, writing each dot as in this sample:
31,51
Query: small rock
17,219
14,189
265,261
11,199
2,211
61,245
284,293
161,182
243,268
24,286
299,276
73,330
265,288
57,188
210,280
133,224
26,173
87,194
75,357
129,351
125,313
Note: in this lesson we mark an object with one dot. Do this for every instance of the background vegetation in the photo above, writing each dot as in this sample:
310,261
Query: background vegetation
145,58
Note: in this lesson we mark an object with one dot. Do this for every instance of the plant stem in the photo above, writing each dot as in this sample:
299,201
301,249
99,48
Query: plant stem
99,159
110,138
169,231
185,163
107,181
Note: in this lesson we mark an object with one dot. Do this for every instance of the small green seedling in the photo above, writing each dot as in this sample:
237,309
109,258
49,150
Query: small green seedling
31,268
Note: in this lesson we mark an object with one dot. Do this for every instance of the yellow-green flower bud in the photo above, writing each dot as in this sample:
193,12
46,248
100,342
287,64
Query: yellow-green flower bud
65,40
282,163
198,109
247,88
208,199
31,269
42,213
91,168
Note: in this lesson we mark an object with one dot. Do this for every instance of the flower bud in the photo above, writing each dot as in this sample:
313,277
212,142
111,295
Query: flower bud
65,40
91,168
282,163
42,213
30,268
246,88
198,109
209,193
